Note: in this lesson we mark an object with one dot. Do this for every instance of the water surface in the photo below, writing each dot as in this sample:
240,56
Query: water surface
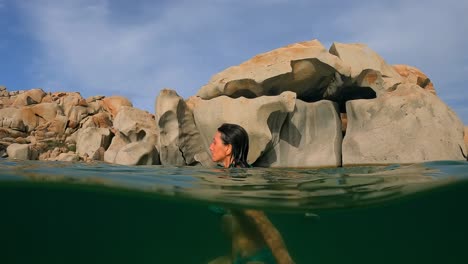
54,212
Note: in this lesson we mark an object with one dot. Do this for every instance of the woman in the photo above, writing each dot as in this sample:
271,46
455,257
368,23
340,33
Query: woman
254,238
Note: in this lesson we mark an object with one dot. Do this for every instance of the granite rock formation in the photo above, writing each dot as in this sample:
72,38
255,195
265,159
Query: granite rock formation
64,126
404,126
302,106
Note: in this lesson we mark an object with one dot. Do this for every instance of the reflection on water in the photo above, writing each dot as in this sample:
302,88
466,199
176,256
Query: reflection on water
283,189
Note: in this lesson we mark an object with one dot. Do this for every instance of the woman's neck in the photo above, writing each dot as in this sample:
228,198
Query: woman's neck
227,162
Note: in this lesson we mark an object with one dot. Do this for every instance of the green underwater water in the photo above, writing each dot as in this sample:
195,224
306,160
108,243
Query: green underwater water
78,213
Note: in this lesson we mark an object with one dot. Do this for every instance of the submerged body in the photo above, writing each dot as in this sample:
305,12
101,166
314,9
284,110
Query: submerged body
254,238
77,213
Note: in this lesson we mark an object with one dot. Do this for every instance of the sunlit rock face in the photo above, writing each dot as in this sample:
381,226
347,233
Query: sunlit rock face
404,126
360,57
112,104
306,68
413,75
65,126
33,96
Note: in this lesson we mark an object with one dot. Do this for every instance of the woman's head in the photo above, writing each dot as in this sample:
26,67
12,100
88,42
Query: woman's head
230,145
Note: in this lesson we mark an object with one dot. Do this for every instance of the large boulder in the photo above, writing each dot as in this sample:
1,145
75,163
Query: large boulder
69,100
135,140
254,115
131,121
405,126
124,152
33,96
137,153
19,151
58,125
180,141
362,59
118,142
306,68
76,114
103,120
112,104
29,118
46,111
310,137
12,118
20,119
95,104
90,140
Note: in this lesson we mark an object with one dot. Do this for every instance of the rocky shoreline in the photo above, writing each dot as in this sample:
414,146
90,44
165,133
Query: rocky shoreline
302,105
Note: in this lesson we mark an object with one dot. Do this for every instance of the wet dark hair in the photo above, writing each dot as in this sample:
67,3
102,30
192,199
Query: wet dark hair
239,139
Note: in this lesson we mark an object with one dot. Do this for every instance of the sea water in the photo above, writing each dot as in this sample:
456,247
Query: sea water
58,212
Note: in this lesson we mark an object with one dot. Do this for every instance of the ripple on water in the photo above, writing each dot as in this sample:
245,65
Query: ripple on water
277,188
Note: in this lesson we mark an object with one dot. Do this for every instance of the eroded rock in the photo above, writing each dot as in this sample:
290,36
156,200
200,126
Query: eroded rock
405,126
90,139
180,140
360,57
310,137
254,115
132,121
118,142
305,68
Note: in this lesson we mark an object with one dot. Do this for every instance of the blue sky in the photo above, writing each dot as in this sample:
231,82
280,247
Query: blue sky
136,48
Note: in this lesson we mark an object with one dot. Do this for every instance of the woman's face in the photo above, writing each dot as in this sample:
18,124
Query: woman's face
219,151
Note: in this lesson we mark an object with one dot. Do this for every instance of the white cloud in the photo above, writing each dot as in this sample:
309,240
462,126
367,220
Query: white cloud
430,35
85,47
408,31
98,47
